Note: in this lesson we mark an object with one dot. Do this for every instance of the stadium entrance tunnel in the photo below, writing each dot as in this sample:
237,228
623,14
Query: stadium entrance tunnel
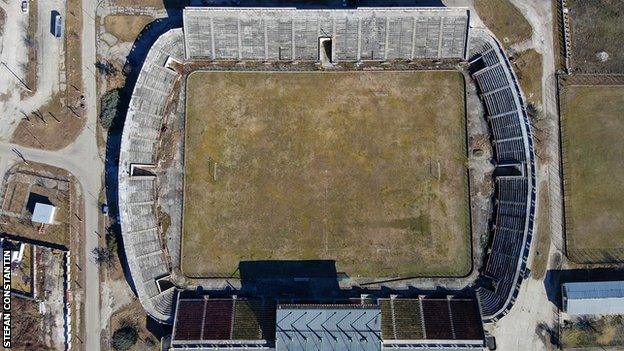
142,170
325,51
510,170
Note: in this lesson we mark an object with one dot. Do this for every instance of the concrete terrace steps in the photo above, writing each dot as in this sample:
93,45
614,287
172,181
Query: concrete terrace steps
137,196
289,34
515,195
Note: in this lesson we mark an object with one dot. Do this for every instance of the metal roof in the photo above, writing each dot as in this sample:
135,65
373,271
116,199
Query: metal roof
594,297
43,213
594,290
328,327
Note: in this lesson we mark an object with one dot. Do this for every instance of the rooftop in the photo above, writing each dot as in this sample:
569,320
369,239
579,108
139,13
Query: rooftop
327,327
43,213
594,298
594,290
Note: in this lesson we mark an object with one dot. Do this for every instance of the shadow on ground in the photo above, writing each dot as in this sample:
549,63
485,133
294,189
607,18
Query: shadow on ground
289,278
308,281
554,279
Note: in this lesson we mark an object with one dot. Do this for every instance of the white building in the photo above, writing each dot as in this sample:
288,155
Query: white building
593,298
43,213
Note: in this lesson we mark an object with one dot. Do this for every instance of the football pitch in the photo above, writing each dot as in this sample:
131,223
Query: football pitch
592,127
365,168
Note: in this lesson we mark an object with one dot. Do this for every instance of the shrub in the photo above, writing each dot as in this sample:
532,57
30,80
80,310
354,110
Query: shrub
106,68
124,338
108,107
111,239
103,256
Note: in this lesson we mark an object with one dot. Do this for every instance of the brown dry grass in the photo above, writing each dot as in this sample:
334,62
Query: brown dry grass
126,27
528,68
134,314
596,25
365,168
22,275
31,33
592,127
602,332
159,4
52,127
26,330
504,20
542,246
53,233
15,197
22,226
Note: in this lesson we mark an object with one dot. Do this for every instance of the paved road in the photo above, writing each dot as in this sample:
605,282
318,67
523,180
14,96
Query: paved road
89,171
82,159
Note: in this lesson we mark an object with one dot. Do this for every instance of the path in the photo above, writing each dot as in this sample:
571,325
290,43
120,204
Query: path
90,171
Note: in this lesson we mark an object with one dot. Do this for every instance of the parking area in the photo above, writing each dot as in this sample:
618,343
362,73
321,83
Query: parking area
18,97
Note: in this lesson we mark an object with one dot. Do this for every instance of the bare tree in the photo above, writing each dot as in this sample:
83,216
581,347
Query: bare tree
103,256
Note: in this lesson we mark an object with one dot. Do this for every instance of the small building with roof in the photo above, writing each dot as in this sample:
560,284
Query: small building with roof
43,213
593,298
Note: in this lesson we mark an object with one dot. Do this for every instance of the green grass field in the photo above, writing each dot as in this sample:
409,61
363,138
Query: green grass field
364,168
592,129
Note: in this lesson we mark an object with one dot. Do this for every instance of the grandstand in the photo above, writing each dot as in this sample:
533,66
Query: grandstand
227,323
514,195
392,323
249,34
426,322
137,192
376,34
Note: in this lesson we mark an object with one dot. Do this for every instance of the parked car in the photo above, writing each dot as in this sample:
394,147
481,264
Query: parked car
58,25
104,209
25,6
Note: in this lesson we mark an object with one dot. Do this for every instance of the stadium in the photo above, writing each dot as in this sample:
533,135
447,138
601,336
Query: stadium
282,170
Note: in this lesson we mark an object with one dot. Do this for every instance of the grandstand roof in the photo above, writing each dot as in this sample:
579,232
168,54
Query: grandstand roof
223,321
450,320
328,327
594,297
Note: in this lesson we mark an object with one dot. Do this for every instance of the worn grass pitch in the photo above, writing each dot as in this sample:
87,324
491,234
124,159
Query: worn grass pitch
592,127
365,168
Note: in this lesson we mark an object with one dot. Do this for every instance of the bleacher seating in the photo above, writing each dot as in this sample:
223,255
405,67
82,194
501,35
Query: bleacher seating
137,195
514,207
165,301
290,34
